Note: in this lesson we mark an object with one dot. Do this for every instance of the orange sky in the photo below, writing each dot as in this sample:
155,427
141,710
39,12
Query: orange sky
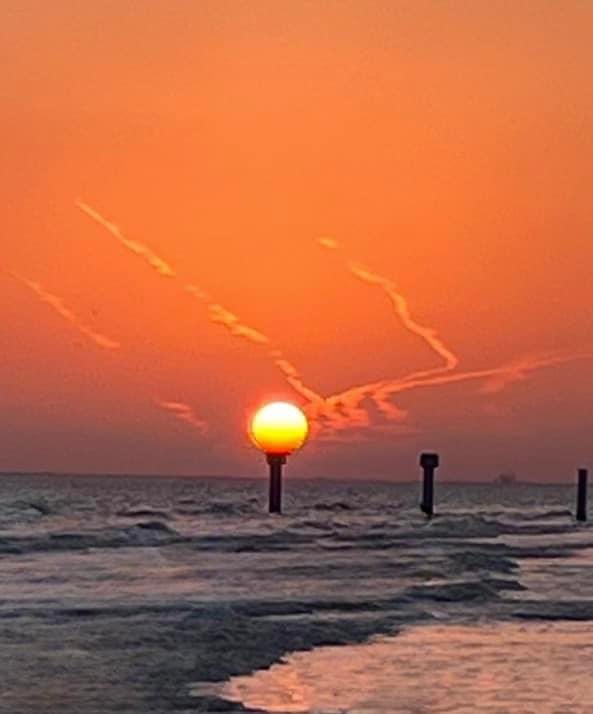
446,148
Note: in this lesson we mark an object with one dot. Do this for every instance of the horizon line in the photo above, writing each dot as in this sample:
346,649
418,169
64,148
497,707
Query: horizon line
345,479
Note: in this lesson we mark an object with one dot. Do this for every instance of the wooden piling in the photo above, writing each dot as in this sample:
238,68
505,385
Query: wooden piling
428,462
276,462
582,495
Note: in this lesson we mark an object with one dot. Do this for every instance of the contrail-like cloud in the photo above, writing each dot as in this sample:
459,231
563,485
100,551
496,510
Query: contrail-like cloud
402,310
181,411
428,334
218,314
346,409
330,243
293,377
233,324
184,413
495,379
65,312
155,261
198,293
519,369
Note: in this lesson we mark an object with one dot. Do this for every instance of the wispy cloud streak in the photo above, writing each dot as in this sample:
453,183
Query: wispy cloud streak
184,413
218,314
155,261
428,334
519,369
233,324
347,409
293,377
401,307
495,380
67,314
350,409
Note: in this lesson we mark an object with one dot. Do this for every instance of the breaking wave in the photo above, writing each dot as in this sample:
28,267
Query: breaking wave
145,533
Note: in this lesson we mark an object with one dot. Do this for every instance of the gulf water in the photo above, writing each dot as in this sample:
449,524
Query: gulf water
162,594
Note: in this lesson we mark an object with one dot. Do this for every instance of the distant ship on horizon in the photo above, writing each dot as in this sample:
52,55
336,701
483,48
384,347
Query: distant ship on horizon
506,478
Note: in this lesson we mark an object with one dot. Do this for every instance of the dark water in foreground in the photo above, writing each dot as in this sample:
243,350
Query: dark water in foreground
136,594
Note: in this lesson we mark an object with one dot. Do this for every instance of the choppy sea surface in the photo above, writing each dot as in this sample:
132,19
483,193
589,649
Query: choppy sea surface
131,594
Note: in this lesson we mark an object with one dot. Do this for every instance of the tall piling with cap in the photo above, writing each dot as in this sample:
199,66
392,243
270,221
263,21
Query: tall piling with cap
582,495
429,462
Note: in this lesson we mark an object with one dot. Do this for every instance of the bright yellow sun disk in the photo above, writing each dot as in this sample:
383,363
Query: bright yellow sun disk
279,428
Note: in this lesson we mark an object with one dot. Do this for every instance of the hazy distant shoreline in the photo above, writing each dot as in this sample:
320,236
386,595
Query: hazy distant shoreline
263,477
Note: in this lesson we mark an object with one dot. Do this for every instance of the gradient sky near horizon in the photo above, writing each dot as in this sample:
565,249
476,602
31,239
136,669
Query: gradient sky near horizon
169,168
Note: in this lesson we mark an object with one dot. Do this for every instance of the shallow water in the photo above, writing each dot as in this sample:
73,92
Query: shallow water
124,594
505,667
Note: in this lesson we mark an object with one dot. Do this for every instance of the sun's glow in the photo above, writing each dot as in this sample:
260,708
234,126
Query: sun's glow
279,428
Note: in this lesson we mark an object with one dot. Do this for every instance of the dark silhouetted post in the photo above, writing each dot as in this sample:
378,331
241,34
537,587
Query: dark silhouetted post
429,463
582,495
276,462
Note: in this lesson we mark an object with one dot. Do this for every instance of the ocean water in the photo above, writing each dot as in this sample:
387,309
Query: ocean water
129,594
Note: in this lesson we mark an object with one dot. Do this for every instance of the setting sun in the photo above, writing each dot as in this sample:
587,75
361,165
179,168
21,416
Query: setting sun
279,428
232,230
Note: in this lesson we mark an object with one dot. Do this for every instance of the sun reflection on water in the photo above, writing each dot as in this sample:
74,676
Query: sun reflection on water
505,667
